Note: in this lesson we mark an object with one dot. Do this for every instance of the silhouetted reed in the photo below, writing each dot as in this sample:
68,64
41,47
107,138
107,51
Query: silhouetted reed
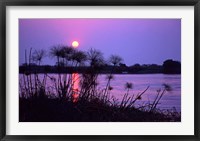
76,97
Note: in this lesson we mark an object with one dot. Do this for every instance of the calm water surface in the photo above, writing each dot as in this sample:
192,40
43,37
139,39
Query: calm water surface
140,83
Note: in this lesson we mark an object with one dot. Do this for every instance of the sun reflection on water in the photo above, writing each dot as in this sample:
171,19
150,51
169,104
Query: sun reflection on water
75,86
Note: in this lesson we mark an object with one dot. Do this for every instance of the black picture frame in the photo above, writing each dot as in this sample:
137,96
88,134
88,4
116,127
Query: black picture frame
5,3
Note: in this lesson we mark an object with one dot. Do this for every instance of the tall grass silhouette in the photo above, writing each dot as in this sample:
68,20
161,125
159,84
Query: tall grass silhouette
64,101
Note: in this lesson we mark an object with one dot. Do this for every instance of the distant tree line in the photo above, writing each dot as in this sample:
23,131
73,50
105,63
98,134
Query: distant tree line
168,67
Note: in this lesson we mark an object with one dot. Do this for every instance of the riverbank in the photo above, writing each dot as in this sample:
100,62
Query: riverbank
56,110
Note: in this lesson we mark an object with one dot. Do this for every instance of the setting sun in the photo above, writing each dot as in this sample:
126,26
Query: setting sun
75,44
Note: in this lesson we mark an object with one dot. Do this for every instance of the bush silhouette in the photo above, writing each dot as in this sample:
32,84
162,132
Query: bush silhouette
171,67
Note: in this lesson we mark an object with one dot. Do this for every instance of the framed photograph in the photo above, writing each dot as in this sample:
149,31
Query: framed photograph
99,70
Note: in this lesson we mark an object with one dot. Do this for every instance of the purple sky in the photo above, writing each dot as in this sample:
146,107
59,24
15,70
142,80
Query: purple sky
143,41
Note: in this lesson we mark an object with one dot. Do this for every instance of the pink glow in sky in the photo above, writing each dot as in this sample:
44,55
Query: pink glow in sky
144,41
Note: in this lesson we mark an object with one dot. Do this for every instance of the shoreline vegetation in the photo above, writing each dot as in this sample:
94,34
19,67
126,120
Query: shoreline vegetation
168,67
56,110
76,98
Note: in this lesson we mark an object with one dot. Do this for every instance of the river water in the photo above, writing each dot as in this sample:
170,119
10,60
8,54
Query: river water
140,83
